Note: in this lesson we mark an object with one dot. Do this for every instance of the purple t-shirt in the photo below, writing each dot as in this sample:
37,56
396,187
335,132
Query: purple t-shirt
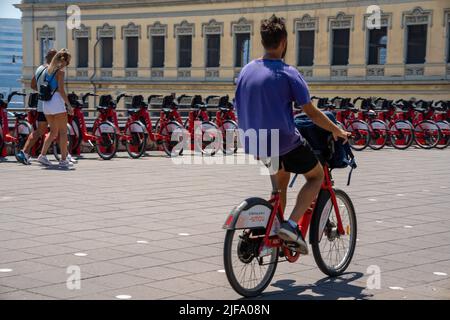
265,92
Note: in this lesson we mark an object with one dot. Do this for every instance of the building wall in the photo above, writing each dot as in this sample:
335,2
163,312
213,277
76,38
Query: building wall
10,46
394,80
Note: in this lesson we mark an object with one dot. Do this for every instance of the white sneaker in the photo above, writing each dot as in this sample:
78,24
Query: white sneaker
65,164
44,160
71,159
27,158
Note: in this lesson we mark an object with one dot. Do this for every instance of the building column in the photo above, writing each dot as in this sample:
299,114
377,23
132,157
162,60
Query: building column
358,43
226,52
322,50
198,53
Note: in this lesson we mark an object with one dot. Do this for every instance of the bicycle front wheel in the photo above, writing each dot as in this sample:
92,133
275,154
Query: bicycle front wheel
401,134
360,135
137,142
427,134
444,126
71,140
22,133
332,250
106,140
172,135
378,135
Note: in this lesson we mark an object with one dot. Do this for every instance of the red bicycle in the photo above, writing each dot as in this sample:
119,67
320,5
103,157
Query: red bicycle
426,133
22,128
252,248
106,130
345,113
205,135
378,129
441,117
168,133
226,121
78,124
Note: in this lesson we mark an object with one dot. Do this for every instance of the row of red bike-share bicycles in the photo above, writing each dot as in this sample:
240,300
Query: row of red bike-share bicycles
377,122
201,131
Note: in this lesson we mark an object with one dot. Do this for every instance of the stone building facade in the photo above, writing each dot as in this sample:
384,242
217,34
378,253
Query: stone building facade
159,47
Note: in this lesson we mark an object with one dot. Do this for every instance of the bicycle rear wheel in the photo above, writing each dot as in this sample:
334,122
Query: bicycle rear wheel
427,134
332,251
248,274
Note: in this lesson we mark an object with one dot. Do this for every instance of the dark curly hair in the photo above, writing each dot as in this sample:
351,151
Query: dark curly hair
273,31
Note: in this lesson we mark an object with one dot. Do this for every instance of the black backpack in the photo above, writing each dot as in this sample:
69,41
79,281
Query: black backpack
45,91
335,153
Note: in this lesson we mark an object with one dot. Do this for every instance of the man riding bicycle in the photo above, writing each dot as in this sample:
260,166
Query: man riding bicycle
266,89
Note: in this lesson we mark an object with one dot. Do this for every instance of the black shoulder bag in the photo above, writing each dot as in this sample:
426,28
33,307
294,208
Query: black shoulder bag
45,91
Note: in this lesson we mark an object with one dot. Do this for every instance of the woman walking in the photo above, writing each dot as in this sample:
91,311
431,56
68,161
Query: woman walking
55,108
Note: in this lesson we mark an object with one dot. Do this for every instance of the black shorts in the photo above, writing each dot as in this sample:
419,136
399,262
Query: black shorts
41,117
300,160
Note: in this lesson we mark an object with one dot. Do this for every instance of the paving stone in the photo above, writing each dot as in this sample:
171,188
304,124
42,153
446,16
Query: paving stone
39,233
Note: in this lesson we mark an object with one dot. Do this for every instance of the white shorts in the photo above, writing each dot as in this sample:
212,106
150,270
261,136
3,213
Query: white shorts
55,106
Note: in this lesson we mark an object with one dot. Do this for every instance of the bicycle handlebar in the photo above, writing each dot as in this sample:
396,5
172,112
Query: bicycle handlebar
358,99
15,93
120,96
87,95
153,96
336,98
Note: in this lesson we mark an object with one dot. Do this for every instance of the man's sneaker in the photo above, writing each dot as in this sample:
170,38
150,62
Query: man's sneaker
44,161
65,164
71,159
22,157
293,235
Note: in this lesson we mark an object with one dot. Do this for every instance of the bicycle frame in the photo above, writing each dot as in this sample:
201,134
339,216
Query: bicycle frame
271,240
7,137
305,221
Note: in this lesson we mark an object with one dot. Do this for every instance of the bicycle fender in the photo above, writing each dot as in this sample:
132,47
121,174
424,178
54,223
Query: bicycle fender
253,213
323,201
108,128
137,127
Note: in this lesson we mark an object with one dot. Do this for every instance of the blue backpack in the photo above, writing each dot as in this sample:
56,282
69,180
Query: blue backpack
337,154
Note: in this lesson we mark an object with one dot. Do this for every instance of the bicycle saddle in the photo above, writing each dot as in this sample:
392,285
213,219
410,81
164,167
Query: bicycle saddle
169,103
106,101
138,102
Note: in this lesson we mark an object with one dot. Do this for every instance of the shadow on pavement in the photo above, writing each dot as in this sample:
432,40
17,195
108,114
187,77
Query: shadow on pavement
325,289
57,168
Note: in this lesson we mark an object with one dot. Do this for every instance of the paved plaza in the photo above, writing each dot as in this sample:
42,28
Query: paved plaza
151,229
